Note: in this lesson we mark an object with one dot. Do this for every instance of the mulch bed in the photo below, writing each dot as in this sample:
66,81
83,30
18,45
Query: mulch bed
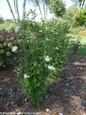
66,95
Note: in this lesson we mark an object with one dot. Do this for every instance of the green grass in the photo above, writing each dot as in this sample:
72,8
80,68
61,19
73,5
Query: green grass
82,50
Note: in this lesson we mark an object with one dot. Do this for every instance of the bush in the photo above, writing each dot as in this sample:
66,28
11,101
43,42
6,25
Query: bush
1,20
82,33
80,19
78,30
75,45
42,56
7,25
7,49
70,14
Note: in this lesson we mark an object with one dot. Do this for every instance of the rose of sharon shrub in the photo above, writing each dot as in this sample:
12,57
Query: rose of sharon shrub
42,56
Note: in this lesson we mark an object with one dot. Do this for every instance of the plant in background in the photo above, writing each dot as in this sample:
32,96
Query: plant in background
8,47
80,18
75,44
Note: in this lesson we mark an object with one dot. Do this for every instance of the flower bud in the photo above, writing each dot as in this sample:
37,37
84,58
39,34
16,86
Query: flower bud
1,46
5,44
8,53
12,39
7,40
19,42
14,42
10,44
2,51
1,38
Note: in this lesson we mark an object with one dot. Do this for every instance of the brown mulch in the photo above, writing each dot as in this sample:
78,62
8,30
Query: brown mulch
66,95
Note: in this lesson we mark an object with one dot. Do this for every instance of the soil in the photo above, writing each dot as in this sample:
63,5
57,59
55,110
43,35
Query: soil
66,95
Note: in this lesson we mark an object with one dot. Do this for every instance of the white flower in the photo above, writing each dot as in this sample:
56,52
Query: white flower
40,30
67,84
60,113
57,48
47,109
25,99
19,113
50,67
69,43
47,39
47,59
26,76
14,48
27,40
17,28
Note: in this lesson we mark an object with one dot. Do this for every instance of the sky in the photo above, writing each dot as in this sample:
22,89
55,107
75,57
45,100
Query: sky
5,12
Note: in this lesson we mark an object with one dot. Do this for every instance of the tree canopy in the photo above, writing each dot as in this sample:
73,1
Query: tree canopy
80,3
56,6
1,20
70,14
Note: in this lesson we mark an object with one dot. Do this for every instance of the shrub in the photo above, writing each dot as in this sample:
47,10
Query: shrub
77,30
80,19
42,56
75,45
7,49
82,33
7,25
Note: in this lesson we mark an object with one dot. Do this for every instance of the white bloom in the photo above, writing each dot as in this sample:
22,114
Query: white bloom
47,109
25,99
17,27
47,39
27,40
47,59
69,43
67,84
40,30
14,48
26,76
19,113
57,48
60,113
50,67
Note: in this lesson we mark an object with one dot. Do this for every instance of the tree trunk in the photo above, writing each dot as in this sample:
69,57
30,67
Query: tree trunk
83,3
11,10
39,8
16,10
44,9
24,11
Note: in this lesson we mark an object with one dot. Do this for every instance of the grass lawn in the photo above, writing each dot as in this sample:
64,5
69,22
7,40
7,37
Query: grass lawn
82,50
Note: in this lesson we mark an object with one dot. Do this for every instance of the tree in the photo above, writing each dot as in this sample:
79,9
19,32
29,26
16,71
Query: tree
1,20
23,10
56,6
16,10
17,17
81,3
70,14
11,10
80,19
37,4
